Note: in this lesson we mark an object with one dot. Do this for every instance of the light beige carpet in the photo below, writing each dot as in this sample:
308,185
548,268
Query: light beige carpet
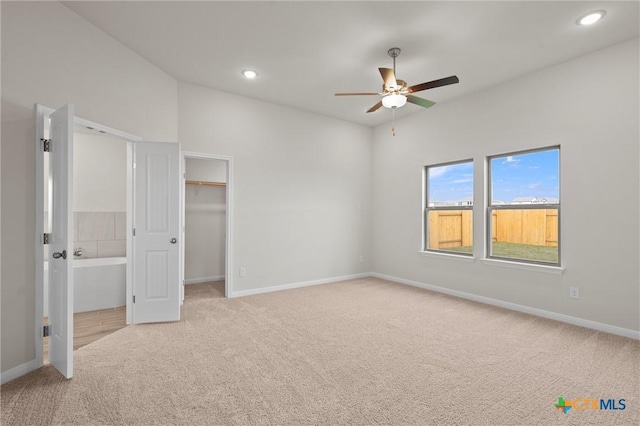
357,352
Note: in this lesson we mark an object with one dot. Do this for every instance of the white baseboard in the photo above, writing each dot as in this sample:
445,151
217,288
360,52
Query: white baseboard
625,332
253,291
203,280
18,371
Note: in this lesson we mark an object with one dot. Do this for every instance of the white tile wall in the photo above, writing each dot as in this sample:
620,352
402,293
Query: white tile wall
115,248
100,234
96,226
121,225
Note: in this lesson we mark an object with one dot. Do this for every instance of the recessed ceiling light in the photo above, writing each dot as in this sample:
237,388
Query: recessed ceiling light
591,18
250,74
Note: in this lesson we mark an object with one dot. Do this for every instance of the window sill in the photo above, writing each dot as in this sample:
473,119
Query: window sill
524,266
449,256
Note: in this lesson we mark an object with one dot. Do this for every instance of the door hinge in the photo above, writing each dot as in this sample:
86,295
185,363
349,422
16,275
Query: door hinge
134,298
46,144
134,232
45,331
45,238
184,176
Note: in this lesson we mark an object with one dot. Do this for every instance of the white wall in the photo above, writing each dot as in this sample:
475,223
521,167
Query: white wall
302,185
99,173
207,170
205,220
588,106
52,56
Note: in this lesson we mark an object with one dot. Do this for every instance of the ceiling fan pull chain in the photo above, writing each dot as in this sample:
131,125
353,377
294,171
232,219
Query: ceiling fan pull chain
393,122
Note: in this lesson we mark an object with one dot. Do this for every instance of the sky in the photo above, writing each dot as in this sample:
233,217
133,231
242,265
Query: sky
453,182
533,174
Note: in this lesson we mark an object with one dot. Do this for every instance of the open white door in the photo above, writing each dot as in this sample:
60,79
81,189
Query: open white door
156,195
183,190
61,241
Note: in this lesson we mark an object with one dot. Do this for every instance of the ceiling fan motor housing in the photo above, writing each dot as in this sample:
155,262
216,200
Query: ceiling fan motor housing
400,88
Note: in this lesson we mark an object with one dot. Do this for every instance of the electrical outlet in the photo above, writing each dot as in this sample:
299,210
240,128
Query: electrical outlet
574,293
243,272
361,259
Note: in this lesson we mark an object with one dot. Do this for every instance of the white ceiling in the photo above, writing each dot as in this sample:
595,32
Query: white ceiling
307,51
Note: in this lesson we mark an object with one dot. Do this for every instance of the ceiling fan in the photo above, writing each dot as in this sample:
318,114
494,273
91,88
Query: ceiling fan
396,94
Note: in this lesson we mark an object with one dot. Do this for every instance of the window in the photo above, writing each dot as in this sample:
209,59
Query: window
448,204
524,207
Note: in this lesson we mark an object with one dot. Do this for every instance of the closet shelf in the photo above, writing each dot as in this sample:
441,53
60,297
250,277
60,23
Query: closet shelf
201,183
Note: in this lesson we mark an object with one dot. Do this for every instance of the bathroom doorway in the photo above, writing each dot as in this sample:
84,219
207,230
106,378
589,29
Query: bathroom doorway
154,186
97,225
99,235
206,220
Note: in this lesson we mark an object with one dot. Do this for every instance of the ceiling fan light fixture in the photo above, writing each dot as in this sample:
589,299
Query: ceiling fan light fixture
250,74
591,18
394,101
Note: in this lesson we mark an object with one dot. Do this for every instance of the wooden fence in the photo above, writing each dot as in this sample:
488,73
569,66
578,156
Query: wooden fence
454,228
450,228
535,227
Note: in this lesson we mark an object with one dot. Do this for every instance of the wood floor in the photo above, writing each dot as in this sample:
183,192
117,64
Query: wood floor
91,326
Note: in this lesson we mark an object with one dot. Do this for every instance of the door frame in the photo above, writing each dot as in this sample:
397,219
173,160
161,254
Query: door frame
40,112
228,261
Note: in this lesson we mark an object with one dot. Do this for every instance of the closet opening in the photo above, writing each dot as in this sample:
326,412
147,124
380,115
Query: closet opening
205,227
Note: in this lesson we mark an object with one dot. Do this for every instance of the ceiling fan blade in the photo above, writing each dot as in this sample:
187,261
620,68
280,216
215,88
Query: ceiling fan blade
389,78
375,107
432,84
420,101
357,94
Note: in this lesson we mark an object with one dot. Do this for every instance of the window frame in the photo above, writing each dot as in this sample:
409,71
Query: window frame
426,209
491,208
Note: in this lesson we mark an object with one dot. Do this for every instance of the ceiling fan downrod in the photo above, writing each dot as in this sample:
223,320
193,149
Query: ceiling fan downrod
394,52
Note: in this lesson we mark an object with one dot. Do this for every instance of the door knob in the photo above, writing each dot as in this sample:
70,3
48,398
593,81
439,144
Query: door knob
173,241
58,255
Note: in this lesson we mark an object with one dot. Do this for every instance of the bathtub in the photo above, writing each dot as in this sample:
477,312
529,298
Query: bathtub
98,283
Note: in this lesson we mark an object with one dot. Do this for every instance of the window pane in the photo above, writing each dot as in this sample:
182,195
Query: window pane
525,234
450,230
530,178
450,185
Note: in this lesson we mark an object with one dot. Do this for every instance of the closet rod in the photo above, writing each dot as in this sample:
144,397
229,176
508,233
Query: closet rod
197,182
